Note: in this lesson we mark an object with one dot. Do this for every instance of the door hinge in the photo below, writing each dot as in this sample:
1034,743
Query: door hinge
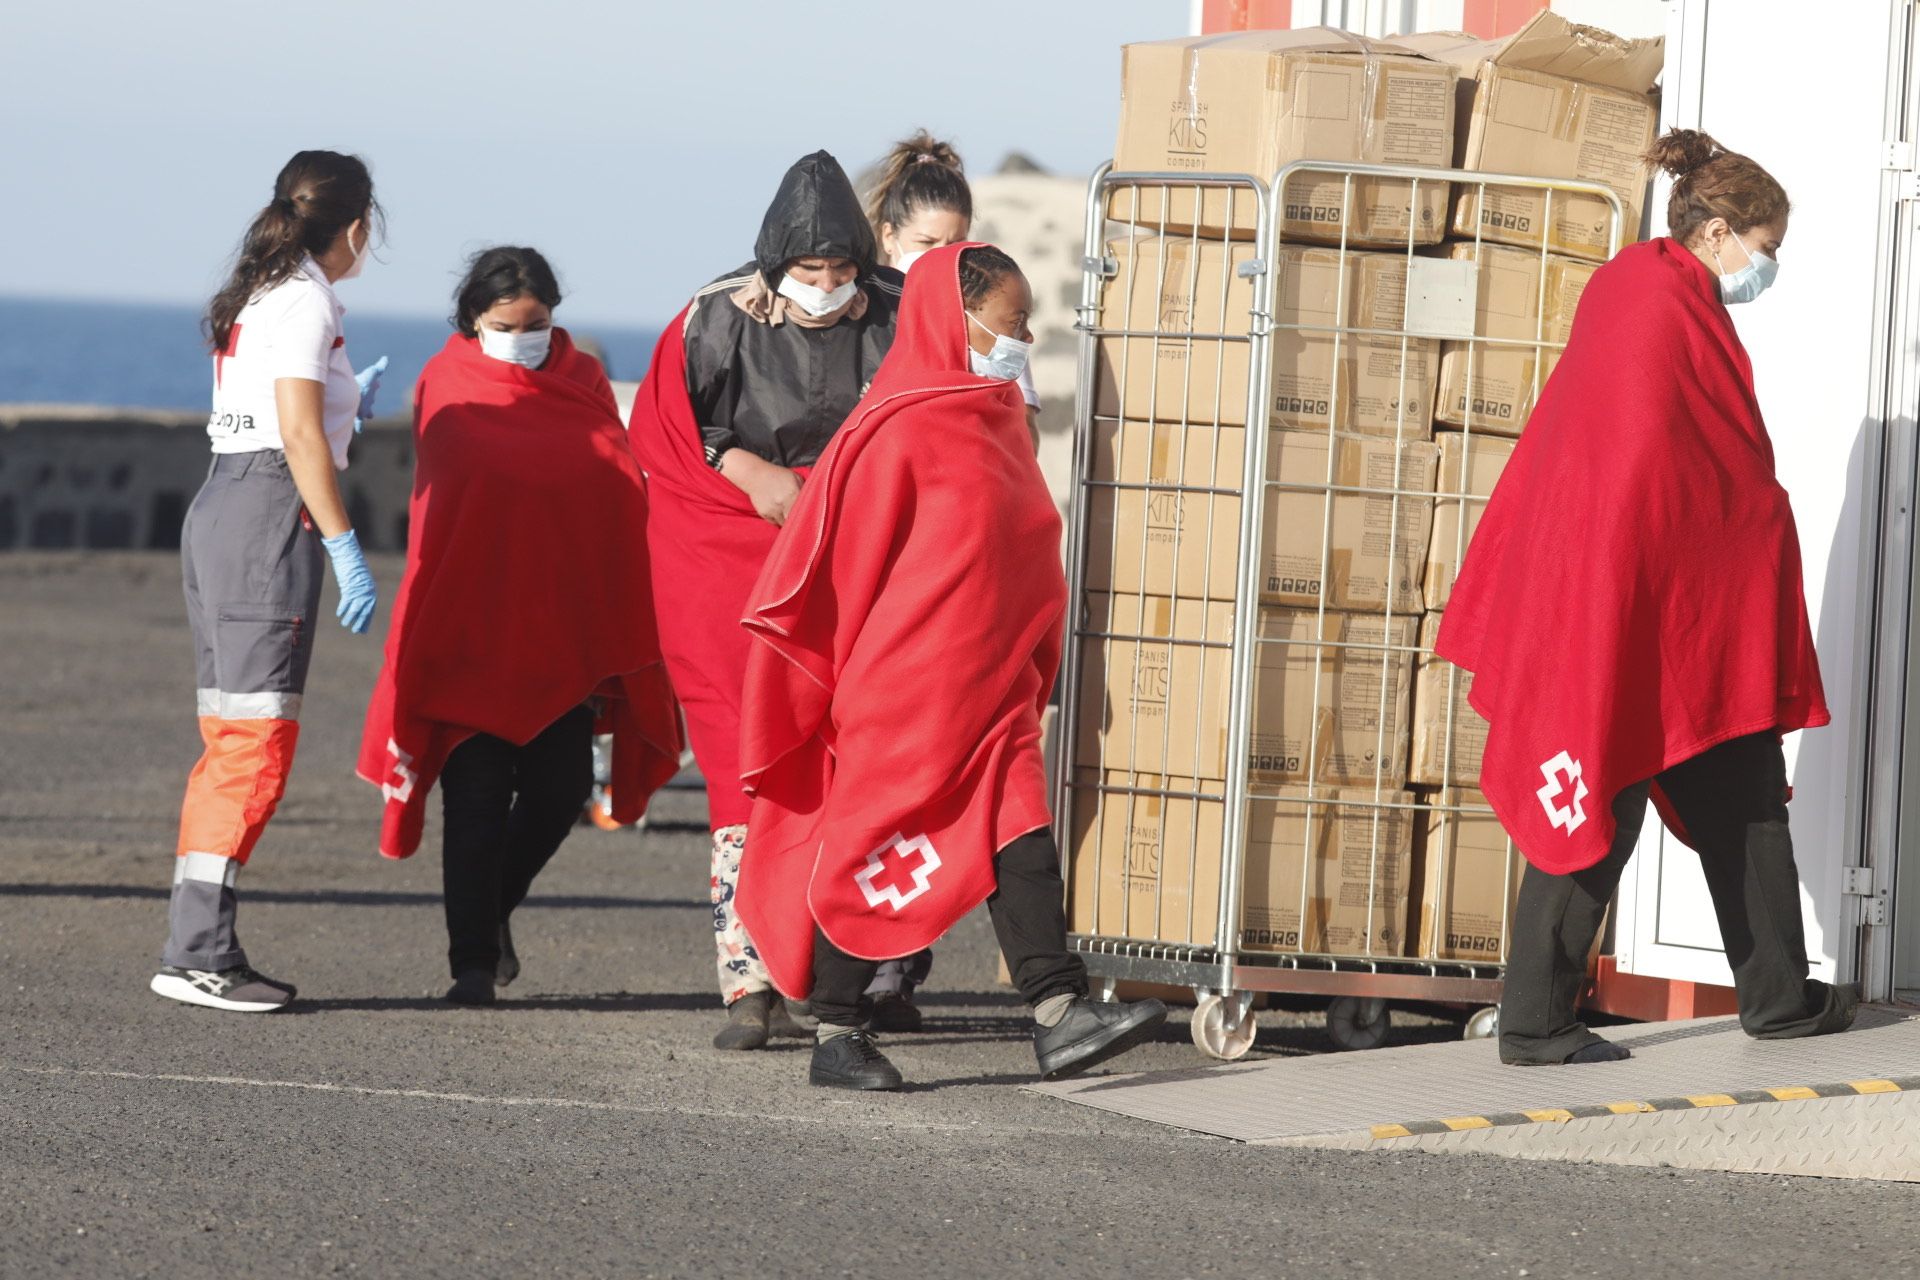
1857,882
1899,158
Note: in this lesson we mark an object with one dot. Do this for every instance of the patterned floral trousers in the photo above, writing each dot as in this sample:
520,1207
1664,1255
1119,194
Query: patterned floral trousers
741,972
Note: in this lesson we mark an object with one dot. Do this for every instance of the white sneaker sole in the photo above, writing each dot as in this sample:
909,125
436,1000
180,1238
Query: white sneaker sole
185,992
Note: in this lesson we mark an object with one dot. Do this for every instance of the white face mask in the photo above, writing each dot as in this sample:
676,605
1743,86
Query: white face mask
814,300
908,259
1007,359
1750,281
528,348
359,255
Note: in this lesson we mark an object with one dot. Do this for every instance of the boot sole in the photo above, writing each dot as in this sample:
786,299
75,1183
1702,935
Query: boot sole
857,1085
1090,1053
186,993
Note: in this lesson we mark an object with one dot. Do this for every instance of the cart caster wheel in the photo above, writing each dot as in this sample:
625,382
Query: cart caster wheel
1223,1027
1358,1022
1484,1025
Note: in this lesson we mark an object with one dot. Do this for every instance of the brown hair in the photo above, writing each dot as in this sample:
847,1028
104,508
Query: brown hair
1710,182
318,195
920,172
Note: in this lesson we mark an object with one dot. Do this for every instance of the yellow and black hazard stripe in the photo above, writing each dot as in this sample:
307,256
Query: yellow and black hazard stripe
1691,1102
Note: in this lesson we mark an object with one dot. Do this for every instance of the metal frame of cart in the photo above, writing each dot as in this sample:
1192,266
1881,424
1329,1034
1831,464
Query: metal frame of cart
1222,974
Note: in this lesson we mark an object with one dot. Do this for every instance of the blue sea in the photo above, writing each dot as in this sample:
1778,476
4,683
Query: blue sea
152,357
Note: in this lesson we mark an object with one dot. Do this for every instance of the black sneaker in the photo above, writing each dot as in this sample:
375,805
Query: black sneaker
1092,1032
895,1012
474,987
852,1061
509,966
237,990
746,1022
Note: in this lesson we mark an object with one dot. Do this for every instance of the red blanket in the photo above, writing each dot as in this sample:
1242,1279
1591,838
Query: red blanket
526,586
908,629
1633,594
707,546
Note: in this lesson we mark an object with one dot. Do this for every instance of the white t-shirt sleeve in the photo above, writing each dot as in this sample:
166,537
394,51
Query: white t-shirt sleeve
302,337
1027,392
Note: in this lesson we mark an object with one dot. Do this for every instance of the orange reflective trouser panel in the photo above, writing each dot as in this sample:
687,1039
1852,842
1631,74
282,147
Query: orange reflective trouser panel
252,567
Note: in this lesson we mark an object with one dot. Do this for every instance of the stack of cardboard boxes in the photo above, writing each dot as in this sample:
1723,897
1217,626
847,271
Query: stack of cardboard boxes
1383,452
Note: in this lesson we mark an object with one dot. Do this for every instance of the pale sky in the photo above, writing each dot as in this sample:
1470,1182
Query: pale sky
636,144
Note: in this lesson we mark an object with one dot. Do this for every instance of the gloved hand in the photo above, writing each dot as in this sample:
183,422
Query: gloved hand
358,594
368,380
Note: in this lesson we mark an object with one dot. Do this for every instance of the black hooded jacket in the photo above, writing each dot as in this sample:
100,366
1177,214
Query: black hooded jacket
781,391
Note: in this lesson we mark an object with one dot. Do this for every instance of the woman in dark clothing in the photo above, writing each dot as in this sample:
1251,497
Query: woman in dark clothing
747,386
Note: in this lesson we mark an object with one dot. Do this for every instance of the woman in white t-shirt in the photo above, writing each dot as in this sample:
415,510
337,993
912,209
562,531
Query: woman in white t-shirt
285,400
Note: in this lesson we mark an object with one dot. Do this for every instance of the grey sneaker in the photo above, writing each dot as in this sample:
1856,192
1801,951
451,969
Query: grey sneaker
746,1022
237,990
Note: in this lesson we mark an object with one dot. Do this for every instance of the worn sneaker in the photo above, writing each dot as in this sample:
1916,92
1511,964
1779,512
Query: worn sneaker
746,1022
473,987
509,966
852,1061
895,1012
237,990
1092,1032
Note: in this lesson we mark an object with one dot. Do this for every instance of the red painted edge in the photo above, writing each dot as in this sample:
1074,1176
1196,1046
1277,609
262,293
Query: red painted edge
1633,995
1491,19
1219,16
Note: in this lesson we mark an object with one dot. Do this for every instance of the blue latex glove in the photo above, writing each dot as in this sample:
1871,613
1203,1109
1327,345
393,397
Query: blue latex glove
358,594
368,380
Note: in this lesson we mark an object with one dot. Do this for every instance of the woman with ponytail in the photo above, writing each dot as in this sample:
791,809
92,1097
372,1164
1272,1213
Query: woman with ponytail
1672,650
285,401
919,200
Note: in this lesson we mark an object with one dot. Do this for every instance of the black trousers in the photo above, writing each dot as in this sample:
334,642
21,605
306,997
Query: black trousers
1029,914
507,810
1732,800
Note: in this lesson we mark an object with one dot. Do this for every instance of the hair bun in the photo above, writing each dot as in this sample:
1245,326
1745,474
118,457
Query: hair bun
1680,151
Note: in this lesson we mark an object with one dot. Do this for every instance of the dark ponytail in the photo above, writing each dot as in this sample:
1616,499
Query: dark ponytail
919,173
318,195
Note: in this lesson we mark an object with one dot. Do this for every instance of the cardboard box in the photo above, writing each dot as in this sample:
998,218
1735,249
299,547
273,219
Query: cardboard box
1471,465
1144,858
1357,384
1162,541
1375,547
1469,877
1255,101
1440,709
1358,726
1357,873
1509,304
1176,286
1153,688
1554,100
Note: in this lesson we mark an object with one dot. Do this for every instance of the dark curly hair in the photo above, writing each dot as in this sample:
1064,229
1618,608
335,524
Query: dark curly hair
501,274
981,271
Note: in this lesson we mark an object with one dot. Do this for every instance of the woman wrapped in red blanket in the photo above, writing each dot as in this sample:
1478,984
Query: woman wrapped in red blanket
908,629
524,608
1632,609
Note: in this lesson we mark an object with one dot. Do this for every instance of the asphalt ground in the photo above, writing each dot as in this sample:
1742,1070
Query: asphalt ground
585,1127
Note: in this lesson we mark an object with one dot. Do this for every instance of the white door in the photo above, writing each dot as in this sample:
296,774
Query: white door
1815,117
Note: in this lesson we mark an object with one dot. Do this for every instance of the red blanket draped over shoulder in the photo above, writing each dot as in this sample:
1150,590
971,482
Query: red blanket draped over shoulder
908,635
526,588
708,545
1633,595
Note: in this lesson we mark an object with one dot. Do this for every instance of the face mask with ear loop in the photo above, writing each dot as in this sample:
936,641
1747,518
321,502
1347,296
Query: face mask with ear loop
1006,360
814,300
528,348
1750,281
359,255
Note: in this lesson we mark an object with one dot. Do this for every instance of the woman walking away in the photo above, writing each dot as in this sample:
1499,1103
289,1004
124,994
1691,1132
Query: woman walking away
908,631
498,665
1675,650
269,516
921,201
748,385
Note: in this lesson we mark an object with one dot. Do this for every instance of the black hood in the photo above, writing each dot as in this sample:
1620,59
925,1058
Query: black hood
815,214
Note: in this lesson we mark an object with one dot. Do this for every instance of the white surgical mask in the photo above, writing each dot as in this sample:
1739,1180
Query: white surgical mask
360,254
1006,360
1750,281
908,259
527,348
814,300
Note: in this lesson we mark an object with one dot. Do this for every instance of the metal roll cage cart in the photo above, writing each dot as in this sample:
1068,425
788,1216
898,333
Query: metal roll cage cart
1194,937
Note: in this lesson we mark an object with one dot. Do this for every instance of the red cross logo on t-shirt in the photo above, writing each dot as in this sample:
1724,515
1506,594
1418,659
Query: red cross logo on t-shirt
233,349
898,871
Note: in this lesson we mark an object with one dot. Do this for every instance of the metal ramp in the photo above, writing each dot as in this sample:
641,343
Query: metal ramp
1697,1095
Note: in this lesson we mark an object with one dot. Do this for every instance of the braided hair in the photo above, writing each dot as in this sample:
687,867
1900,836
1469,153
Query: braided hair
919,173
981,271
